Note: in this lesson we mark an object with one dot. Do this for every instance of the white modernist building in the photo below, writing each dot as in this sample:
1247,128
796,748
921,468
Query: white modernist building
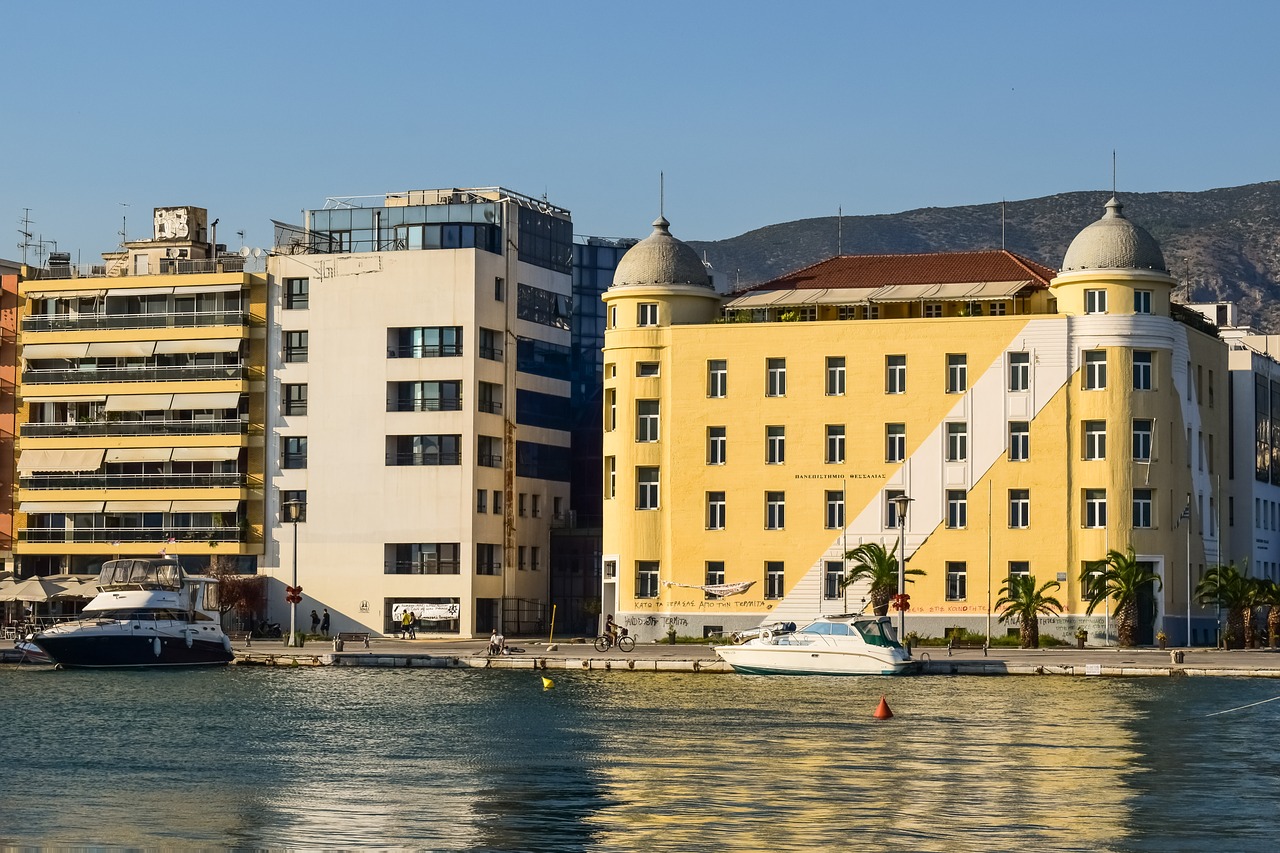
419,410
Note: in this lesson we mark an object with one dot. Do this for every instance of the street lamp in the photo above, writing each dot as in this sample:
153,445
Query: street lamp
292,514
900,503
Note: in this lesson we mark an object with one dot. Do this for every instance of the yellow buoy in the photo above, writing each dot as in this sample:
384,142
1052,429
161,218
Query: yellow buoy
547,683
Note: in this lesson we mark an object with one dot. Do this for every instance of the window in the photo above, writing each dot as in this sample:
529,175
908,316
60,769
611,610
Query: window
715,510
424,396
773,580
835,444
831,577
499,288
545,307
717,378
1095,439
491,344
892,520
999,309
1019,441
647,314
295,347
646,368
296,293
482,500
775,510
717,445
424,342
488,397
428,558
535,558
1019,371
646,420
835,510
610,409
957,508
714,575
613,317
646,488
1095,370
932,309
1095,302
957,374
293,496
1019,569
895,442
775,452
1142,302
295,399
488,559
1095,507
1142,507
1019,508
497,502
895,374
535,505
956,587
520,552
835,376
776,370
416,450
1141,370
957,442
489,451
610,477
647,579
293,451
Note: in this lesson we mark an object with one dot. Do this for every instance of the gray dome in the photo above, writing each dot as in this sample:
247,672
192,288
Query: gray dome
661,259
1114,243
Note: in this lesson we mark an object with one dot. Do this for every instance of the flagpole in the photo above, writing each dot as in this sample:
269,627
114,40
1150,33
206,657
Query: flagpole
1187,515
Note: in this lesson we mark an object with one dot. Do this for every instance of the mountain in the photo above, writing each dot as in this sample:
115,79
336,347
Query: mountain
1220,244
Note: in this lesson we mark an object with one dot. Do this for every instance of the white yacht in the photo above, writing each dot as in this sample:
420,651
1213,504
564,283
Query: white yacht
849,644
148,612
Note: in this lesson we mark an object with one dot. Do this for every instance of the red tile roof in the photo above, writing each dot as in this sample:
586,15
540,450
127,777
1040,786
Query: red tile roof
937,268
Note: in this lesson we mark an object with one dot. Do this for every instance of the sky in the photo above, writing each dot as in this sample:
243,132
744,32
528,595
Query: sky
756,112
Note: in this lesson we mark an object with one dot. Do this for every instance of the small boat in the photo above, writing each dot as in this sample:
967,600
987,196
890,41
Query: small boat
850,644
148,612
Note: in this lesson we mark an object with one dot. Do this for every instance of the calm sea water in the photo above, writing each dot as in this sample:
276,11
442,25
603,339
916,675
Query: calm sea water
472,760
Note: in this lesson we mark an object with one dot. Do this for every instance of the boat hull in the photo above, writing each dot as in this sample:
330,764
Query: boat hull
782,660
107,651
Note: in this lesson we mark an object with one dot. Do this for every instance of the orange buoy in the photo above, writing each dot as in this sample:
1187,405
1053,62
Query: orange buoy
882,710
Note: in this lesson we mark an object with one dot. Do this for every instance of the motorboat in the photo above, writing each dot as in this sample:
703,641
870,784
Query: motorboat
849,644
148,612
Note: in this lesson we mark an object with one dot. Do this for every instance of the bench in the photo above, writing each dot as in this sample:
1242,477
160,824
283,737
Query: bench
953,644
352,636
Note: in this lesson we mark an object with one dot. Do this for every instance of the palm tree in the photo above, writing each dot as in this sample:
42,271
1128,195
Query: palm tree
1019,599
1268,595
1230,589
871,562
1120,577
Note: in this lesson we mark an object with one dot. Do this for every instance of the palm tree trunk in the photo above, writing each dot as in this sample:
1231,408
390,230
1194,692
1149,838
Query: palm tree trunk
1126,622
1273,625
880,601
1246,618
1027,634
1235,628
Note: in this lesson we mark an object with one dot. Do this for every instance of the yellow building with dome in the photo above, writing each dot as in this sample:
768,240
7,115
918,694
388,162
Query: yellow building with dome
1034,419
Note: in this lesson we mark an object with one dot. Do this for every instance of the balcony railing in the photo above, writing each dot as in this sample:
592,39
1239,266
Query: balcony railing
185,320
132,481
168,266
413,567
426,404
489,460
113,535
133,374
219,427
411,459
491,353
423,351
493,407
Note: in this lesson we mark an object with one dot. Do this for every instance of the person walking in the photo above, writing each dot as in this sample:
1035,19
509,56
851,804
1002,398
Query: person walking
407,626
324,622
315,622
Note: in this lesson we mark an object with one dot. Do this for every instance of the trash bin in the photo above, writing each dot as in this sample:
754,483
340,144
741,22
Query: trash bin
337,644
1176,656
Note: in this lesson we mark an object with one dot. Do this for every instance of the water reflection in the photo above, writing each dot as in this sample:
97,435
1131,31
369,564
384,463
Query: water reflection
489,761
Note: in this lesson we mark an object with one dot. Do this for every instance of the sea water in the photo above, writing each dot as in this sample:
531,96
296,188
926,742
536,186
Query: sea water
487,760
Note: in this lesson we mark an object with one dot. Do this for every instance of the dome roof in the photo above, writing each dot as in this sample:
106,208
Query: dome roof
661,259
1114,243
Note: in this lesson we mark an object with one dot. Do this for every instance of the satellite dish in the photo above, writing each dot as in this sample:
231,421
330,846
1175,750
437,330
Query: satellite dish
488,215
244,251
257,253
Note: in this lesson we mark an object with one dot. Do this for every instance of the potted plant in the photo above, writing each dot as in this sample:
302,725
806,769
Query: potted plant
1082,636
1162,639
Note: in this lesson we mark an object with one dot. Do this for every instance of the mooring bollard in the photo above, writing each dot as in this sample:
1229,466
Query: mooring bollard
337,644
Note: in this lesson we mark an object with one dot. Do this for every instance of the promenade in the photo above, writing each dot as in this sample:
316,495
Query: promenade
684,657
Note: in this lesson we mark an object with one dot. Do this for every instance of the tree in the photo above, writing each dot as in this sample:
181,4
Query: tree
1233,592
1119,576
1021,600
871,562
1268,595
245,594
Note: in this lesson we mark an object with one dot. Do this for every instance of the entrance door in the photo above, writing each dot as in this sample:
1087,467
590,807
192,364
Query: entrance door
1147,607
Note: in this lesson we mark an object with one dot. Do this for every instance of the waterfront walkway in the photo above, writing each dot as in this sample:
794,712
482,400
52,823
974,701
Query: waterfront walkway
578,655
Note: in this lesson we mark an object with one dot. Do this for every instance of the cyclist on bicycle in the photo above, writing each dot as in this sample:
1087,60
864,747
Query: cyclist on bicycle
611,629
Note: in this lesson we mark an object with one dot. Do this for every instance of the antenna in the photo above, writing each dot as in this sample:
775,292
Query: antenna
25,231
124,223
839,231
662,194
1002,246
1113,172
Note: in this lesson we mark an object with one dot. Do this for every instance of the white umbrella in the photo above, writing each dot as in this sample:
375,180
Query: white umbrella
31,589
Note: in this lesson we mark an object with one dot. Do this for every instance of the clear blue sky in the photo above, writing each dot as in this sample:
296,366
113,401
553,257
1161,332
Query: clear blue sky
758,112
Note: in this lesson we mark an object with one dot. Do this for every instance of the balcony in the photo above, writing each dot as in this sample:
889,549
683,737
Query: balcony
426,404
98,480
75,376
417,567
84,322
64,430
414,459
168,266
425,351
122,535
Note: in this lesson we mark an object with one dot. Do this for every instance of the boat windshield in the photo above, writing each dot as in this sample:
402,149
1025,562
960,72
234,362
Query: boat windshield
874,634
154,574
838,629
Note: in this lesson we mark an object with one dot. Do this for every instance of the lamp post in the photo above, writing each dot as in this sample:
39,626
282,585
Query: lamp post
292,511
900,503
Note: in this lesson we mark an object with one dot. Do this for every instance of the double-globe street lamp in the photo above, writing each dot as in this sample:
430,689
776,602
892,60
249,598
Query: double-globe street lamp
900,502
292,515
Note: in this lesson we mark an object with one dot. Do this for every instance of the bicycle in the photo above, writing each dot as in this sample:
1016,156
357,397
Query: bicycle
624,643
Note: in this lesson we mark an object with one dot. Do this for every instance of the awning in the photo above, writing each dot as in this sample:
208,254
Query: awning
139,291
139,402
31,351
205,506
204,454
50,459
199,345
138,454
955,291
137,506
184,402
207,288
122,349
35,291
29,507
62,398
